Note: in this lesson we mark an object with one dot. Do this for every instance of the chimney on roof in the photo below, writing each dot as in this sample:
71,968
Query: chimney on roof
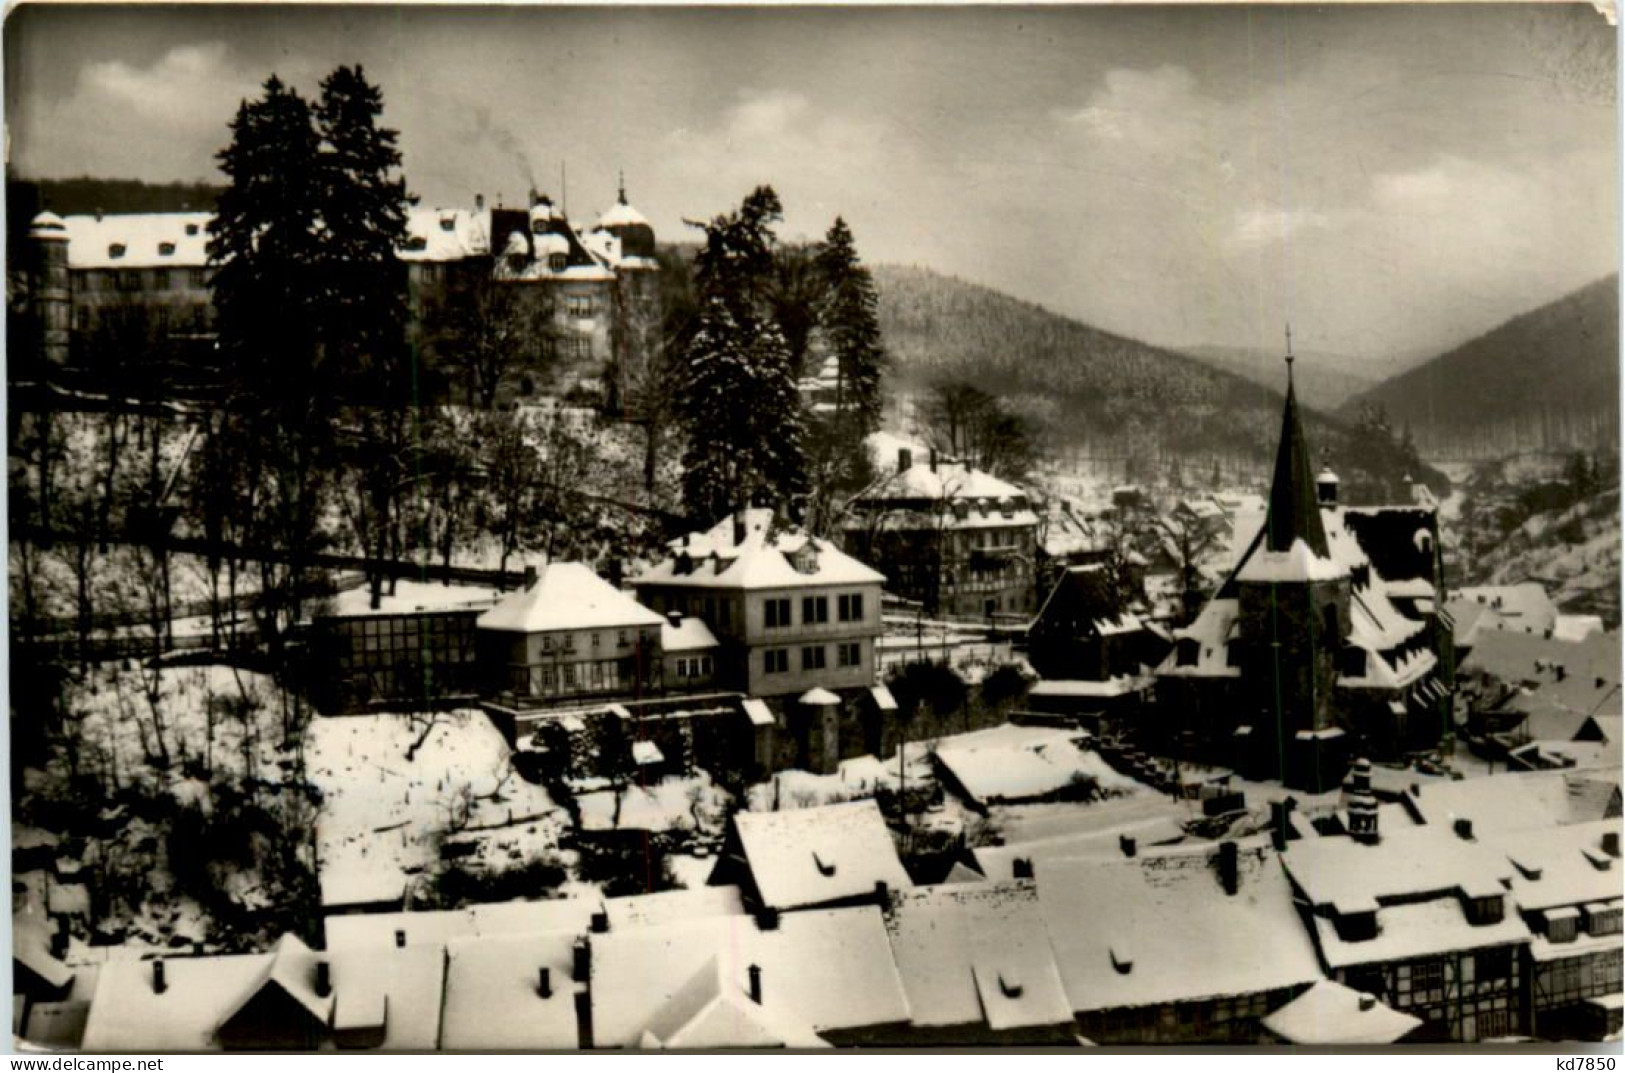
530,577
1562,671
1126,843
1280,828
882,894
581,960
933,460
675,617
1361,803
1229,867
99,214
755,972
1021,868
739,527
1610,843
1464,828
400,937
479,202
767,919
324,979
600,922
1368,1001
544,982
584,1020
159,984
905,459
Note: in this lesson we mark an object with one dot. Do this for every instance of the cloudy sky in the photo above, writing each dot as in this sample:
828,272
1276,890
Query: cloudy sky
1392,181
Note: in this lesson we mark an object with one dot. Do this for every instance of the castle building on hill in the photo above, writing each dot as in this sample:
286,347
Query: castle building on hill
151,271
1327,640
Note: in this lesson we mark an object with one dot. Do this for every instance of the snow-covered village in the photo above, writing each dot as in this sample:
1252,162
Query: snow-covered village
620,529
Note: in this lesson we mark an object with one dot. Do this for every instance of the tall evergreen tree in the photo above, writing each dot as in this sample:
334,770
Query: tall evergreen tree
851,324
263,246
738,397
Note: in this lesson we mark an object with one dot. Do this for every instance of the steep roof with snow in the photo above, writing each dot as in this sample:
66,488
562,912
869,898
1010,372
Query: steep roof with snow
1561,866
813,856
1016,763
1329,1014
493,993
690,634
446,234
714,1010
31,948
1294,505
404,987
410,597
128,1016
766,557
1416,881
372,931
1522,608
977,954
827,969
568,596
1129,933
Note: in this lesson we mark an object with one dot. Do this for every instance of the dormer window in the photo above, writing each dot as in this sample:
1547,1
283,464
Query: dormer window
1356,927
116,250
557,262
1187,653
417,243
1486,910
191,230
448,223
166,249
1602,919
1562,925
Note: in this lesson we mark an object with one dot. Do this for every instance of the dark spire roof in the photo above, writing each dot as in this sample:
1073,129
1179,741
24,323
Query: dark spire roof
1294,508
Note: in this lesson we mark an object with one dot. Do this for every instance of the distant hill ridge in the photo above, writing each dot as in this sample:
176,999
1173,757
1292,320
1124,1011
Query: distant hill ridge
1545,380
1325,380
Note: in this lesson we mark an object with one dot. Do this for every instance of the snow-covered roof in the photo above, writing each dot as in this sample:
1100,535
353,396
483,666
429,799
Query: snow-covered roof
976,954
1150,820
1561,866
761,560
1120,686
828,969
689,635
647,752
442,234
1297,563
1152,920
673,906
128,1016
138,240
31,947
757,711
1576,628
714,1010
410,597
621,214
1524,607
493,993
1211,630
813,856
1018,763
1329,1014
1510,801
568,596
372,931
819,697
1577,677
405,985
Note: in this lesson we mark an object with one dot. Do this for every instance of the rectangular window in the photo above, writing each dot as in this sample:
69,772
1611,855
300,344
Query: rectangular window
776,613
775,660
1428,975
569,676
199,278
580,305
595,639
705,666
814,609
812,658
549,679
682,668
579,347
851,607
849,654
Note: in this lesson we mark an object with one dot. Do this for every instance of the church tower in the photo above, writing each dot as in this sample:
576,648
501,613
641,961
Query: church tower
1294,599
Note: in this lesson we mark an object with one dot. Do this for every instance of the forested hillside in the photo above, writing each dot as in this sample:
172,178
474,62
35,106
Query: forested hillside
1108,393
1325,381
1546,380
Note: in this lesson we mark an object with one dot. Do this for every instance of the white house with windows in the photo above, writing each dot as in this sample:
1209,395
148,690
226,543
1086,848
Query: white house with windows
789,611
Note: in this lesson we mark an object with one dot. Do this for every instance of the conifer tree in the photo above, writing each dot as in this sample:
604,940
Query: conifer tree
738,396
851,324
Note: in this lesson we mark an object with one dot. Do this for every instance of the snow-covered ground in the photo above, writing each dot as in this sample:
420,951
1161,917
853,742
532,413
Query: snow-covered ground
692,804
384,818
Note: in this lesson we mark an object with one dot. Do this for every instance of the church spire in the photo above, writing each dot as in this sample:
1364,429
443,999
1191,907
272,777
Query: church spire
1294,508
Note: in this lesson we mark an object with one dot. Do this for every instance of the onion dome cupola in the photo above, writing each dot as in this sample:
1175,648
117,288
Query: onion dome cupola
628,225
48,227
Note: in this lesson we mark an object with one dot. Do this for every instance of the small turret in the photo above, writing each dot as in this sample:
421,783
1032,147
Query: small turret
52,296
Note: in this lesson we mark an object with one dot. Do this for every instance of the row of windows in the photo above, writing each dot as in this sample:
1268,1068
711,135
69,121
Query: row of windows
814,610
585,677
151,279
694,667
571,642
813,657
1576,978
580,305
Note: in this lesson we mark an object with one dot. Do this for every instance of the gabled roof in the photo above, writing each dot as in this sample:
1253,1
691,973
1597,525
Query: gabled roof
292,969
405,985
493,993
1131,933
762,559
1559,866
31,947
814,856
827,969
567,596
1510,801
712,1011
128,1016
1330,1014
976,954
